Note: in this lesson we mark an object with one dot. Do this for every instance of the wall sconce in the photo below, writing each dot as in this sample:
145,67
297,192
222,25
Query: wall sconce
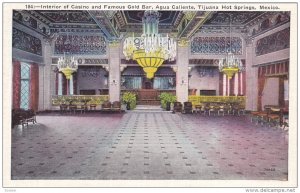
122,67
175,68
113,82
106,67
183,81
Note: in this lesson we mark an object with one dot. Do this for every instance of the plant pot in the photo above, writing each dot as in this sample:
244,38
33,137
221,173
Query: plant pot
127,106
168,106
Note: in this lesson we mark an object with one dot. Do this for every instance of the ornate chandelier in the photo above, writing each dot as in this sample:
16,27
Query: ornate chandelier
151,49
230,64
67,64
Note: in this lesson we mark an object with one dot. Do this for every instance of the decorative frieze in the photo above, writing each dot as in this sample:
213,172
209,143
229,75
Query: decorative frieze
216,45
80,44
26,42
274,42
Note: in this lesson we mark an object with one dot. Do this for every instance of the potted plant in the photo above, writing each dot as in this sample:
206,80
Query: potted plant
129,99
166,99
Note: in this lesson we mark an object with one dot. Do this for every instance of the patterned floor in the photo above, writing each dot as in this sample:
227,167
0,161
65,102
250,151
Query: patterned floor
148,146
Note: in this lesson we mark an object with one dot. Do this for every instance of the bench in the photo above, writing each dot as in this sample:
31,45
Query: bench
23,117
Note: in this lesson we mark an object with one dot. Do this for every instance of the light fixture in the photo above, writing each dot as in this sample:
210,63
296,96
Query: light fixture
230,64
67,63
151,49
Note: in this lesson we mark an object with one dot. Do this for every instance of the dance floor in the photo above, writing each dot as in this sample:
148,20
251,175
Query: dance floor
145,145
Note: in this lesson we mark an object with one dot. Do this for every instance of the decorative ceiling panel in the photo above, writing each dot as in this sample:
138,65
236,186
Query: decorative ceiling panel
238,18
166,17
67,16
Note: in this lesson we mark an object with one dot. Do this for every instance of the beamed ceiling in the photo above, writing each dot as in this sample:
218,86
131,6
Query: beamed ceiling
115,23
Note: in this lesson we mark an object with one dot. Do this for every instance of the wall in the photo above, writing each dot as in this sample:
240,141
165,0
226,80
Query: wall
252,70
271,92
203,83
89,78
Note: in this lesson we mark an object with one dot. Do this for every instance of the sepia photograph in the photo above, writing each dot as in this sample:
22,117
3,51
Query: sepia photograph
149,94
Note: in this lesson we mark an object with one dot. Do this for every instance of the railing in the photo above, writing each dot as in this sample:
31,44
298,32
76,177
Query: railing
196,100
143,94
79,99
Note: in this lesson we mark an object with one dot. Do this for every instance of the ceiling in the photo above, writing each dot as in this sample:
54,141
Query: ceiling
114,23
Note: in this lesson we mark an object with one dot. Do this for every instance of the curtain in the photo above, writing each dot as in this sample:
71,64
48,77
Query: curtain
34,86
163,83
281,91
261,85
16,80
220,83
133,82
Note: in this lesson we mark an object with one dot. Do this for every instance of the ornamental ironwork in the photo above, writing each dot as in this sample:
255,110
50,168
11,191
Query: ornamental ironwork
216,45
274,42
81,44
26,42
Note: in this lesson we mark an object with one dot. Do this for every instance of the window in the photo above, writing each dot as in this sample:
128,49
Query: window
25,86
132,82
164,83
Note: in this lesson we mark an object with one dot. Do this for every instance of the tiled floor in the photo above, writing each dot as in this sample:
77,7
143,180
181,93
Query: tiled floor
148,146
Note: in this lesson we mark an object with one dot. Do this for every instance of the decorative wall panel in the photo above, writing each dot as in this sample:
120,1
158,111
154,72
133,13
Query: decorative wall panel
80,44
274,42
26,42
216,45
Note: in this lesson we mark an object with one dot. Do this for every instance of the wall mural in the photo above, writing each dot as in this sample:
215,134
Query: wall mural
26,42
274,42
216,45
80,44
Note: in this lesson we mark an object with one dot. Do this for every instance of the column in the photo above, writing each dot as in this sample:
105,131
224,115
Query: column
59,84
114,71
251,78
236,83
46,79
71,86
224,84
182,74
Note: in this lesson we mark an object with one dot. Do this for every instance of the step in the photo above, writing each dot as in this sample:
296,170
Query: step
150,108
148,102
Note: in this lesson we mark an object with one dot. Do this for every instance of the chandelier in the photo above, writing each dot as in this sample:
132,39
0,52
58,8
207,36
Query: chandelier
151,49
67,63
230,64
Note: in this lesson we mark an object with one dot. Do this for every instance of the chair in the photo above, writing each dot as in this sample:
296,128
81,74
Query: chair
187,107
275,117
116,106
106,106
222,109
63,108
213,109
177,107
93,107
198,109
261,116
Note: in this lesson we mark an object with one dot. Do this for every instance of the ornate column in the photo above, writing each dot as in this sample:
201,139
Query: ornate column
251,77
182,74
114,71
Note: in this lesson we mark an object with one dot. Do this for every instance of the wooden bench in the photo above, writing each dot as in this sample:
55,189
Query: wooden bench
23,117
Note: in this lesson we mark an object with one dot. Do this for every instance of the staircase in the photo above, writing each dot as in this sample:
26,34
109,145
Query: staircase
148,102
150,109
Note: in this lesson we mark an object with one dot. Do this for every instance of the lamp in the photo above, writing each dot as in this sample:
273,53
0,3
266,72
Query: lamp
230,64
151,49
67,63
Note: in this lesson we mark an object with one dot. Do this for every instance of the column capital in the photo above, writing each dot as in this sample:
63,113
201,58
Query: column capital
249,41
183,42
114,43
